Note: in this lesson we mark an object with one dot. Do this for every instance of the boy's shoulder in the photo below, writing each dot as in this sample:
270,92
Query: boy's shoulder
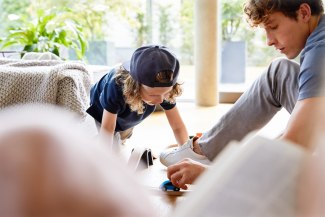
108,84
109,77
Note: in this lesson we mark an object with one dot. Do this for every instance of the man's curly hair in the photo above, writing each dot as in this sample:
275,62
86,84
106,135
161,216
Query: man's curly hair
131,89
257,11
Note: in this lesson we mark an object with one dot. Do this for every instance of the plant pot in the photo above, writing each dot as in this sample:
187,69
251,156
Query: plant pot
98,53
233,62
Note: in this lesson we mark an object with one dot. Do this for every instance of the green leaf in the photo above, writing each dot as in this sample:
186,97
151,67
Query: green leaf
48,31
29,48
55,50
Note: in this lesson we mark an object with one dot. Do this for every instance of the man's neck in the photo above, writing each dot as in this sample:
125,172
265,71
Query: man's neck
313,23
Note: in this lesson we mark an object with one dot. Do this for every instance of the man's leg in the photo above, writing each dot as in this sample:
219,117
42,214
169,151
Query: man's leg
274,89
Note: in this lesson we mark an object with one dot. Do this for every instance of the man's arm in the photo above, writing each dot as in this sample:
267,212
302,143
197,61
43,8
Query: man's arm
176,122
300,128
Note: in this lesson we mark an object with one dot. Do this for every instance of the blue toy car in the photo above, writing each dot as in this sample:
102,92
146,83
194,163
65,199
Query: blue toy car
168,186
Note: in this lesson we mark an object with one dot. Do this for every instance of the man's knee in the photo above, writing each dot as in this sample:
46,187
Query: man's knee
281,60
282,69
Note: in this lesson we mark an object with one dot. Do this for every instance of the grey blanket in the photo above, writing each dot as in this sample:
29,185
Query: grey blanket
62,83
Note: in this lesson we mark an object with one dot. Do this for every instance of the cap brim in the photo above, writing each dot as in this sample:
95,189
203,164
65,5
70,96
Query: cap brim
126,65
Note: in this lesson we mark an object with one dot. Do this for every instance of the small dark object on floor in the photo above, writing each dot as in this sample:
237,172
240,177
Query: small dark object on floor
168,186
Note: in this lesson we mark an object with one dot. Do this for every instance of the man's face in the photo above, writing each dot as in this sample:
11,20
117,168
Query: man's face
286,34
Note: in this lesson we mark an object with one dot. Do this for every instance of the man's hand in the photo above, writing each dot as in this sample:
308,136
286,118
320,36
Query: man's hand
185,172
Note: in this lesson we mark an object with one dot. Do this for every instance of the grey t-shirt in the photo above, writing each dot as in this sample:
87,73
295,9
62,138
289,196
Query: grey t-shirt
312,70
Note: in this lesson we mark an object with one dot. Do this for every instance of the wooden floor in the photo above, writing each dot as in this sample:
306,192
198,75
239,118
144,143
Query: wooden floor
155,133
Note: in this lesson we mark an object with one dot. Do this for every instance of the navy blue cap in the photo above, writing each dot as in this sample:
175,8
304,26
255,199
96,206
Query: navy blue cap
147,61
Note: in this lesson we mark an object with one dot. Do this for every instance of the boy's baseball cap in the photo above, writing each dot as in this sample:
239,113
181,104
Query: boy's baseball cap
147,61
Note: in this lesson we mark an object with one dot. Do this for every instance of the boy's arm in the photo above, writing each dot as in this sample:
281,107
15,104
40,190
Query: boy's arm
177,125
300,128
108,125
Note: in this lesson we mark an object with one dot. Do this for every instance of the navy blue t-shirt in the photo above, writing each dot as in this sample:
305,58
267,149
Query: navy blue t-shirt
107,94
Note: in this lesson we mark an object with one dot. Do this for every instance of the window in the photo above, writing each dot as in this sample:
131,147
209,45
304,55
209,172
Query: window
115,28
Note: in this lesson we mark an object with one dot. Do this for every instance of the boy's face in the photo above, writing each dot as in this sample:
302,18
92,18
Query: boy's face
286,34
154,95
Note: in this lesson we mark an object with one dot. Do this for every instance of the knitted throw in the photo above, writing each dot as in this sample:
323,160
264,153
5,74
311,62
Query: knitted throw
56,82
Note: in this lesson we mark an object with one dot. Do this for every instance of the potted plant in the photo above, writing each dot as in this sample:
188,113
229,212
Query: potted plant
233,57
49,31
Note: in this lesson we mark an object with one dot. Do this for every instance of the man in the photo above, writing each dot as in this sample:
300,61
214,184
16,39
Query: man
293,27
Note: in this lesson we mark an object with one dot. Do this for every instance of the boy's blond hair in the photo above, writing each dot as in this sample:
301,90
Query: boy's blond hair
131,88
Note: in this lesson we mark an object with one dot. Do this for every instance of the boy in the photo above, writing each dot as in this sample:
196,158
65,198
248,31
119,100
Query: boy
292,27
128,94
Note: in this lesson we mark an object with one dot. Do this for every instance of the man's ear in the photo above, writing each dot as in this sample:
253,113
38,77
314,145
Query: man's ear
304,12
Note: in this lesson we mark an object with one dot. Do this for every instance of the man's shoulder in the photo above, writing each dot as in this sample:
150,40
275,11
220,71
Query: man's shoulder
316,41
